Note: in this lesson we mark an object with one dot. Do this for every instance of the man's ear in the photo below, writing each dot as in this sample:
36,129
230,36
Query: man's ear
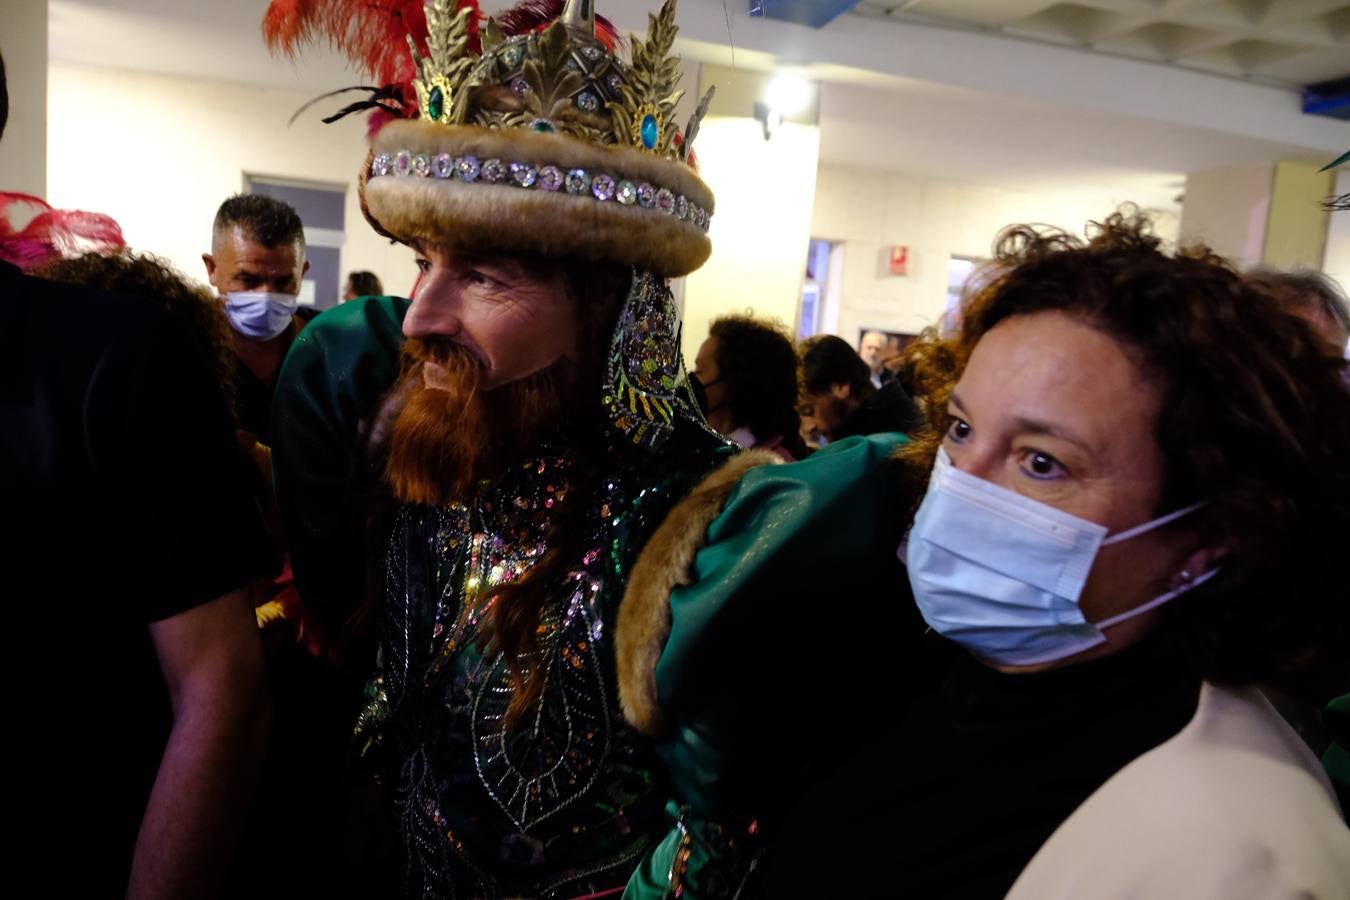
305,269
841,391
210,262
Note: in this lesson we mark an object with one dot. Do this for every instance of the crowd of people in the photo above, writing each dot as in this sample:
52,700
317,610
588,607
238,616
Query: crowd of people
479,593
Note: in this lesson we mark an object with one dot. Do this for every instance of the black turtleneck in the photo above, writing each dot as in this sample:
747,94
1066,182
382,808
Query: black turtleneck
975,774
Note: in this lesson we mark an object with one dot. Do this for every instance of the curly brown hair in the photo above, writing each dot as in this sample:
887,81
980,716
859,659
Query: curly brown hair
1254,420
146,275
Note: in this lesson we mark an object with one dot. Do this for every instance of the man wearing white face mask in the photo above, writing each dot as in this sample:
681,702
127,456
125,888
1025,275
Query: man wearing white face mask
256,262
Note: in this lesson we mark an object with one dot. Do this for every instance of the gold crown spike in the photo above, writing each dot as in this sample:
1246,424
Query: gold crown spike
644,117
579,15
441,93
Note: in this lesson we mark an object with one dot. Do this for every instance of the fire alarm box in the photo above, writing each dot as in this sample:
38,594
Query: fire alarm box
899,260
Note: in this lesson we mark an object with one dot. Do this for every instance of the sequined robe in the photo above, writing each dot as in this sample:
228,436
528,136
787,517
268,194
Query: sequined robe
567,802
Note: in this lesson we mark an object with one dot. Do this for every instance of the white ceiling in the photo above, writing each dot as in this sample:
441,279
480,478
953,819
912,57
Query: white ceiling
1293,41
867,119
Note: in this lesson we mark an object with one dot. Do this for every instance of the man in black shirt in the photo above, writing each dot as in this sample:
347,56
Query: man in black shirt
839,397
133,675
256,263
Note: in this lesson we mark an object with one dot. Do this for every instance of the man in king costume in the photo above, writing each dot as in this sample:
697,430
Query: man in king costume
539,430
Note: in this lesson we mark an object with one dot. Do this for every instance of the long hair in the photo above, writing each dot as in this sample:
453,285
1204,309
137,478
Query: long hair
1254,420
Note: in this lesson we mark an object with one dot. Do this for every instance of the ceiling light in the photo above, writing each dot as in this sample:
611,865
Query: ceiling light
788,94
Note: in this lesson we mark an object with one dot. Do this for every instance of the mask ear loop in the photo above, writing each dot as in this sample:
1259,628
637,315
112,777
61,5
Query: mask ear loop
1190,585
1149,526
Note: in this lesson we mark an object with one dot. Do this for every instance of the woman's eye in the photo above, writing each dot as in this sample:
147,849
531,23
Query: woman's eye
1042,465
959,430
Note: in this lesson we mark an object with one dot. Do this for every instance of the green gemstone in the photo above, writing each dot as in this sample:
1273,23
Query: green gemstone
436,104
543,126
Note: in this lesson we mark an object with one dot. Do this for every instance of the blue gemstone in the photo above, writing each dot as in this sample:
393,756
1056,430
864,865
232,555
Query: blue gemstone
651,132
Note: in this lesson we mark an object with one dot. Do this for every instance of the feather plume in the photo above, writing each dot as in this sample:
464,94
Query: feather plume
373,34
32,232
536,15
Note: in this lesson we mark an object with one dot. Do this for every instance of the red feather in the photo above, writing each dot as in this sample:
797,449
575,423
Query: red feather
371,33
536,15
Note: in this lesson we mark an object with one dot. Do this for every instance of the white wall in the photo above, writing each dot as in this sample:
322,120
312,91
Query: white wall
760,230
870,211
159,153
23,43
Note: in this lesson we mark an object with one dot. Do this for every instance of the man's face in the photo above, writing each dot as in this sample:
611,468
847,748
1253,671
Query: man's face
514,320
828,410
873,350
237,263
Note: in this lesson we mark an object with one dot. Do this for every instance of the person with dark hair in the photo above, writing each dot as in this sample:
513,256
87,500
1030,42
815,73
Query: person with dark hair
1119,530
362,284
1312,296
745,380
838,396
129,552
256,263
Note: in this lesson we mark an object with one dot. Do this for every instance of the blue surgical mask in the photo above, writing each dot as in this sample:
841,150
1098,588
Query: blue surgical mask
261,315
1001,574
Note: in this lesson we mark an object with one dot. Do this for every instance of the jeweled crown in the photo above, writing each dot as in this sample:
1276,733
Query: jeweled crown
561,79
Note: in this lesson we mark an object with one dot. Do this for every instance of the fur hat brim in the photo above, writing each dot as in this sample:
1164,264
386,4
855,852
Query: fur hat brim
504,216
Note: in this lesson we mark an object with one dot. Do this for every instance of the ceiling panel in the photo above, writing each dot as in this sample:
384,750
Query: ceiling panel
1301,41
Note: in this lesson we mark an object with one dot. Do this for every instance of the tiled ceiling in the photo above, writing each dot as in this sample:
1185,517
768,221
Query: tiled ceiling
1287,41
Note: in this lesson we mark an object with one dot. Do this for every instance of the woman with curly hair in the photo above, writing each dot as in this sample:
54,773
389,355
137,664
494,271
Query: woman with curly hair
1136,512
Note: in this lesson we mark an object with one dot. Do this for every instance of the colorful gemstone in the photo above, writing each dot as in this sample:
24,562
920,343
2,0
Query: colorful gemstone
646,195
421,165
519,86
436,104
550,178
515,52
494,171
542,126
578,182
443,166
665,200
592,52
468,168
627,193
402,162
681,208
587,102
651,131
380,164
523,174
603,188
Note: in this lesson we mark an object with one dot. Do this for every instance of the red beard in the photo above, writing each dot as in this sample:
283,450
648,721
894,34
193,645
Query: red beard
447,439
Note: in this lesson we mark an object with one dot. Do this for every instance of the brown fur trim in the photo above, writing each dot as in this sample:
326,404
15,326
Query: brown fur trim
665,564
502,216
